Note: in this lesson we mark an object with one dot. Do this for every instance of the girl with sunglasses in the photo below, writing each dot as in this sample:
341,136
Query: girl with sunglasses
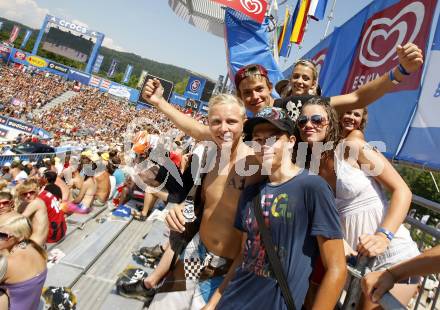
357,173
23,271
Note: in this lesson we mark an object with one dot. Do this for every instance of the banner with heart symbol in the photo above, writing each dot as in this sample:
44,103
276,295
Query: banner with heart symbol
364,48
255,9
422,144
406,21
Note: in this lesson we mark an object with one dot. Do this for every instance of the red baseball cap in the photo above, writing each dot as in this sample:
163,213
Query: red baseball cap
249,70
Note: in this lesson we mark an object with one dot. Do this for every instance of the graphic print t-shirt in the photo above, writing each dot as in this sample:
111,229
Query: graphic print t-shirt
293,104
296,211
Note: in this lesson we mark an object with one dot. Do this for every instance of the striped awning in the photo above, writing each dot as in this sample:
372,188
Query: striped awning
204,14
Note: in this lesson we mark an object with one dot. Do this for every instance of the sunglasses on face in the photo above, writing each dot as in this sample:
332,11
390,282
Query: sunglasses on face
4,236
26,194
316,120
5,203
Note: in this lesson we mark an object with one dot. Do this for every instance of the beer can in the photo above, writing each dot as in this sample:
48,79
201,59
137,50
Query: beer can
188,212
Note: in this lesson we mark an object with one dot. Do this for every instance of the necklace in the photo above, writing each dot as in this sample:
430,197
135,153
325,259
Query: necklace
21,245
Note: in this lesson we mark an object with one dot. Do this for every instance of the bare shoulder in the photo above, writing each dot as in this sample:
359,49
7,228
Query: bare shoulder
355,135
35,204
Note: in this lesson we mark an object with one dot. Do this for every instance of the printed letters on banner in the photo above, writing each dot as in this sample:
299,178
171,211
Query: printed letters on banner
319,59
255,9
406,21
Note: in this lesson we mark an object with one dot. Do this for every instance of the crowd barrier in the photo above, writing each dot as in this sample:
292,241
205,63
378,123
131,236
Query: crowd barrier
26,157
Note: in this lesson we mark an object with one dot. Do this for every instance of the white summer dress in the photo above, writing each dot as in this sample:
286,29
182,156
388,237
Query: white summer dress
362,205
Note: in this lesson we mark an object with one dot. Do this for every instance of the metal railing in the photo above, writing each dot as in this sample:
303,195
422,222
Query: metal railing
25,157
426,236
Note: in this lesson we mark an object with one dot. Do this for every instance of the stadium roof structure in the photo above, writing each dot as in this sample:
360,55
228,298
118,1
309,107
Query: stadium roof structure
205,15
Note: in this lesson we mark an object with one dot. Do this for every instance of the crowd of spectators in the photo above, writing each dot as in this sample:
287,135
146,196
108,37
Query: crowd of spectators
24,90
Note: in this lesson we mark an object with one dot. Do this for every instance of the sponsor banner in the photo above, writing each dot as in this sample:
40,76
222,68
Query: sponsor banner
167,87
72,26
26,38
105,84
204,109
5,52
255,9
58,67
320,56
422,144
119,91
36,61
177,99
3,120
79,76
13,123
134,94
44,134
98,63
143,106
14,34
94,81
365,47
194,87
127,74
19,55
3,133
112,69
398,24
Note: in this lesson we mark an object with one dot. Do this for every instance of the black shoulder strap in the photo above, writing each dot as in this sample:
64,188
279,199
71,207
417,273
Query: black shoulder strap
274,260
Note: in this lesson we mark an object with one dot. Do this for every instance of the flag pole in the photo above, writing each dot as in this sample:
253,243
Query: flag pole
330,18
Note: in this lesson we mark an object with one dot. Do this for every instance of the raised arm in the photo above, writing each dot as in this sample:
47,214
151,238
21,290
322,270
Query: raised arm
410,57
152,93
37,212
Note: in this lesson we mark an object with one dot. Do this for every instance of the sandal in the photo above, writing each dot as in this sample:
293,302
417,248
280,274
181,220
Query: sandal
154,251
139,216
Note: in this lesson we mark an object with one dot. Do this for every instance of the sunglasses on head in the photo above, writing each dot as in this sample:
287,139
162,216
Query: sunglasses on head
273,113
316,119
26,194
4,236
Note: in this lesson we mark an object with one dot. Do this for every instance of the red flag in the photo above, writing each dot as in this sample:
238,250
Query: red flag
255,9
14,34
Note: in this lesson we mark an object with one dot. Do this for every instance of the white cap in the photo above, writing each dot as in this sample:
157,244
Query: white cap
8,164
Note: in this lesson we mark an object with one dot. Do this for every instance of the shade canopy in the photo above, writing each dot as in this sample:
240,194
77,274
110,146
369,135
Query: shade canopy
205,15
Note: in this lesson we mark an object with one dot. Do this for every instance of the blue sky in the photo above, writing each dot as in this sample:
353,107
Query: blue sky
150,28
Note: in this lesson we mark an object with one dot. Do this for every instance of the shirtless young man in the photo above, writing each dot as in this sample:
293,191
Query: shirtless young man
217,244
103,188
35,209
